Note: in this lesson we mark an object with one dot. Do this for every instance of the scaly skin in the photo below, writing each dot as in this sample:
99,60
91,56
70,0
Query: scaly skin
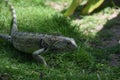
29,42
35,43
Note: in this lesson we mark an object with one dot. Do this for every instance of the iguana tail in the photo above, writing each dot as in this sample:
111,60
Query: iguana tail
14,18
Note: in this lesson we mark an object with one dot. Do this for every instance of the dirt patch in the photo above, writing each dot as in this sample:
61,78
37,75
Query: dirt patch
113,37
109,34
115,60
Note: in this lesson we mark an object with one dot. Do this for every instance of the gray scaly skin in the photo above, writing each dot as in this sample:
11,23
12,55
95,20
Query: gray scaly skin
35,43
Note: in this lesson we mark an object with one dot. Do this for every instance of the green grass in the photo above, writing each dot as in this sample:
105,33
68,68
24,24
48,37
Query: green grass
85,63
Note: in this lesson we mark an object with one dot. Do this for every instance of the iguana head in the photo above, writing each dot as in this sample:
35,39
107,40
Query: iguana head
65,43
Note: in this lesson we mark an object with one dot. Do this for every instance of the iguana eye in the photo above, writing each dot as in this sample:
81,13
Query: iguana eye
68,43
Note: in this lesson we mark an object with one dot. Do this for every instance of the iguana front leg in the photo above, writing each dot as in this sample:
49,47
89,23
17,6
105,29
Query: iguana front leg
36,55
5,37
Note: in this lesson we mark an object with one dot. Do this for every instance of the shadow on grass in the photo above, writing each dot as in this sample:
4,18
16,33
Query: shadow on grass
108,39
109,35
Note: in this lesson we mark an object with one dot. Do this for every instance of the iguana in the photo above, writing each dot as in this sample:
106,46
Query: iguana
35,43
